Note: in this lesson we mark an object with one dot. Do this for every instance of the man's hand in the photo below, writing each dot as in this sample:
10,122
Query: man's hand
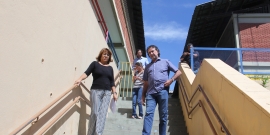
145,87
143,100
168,83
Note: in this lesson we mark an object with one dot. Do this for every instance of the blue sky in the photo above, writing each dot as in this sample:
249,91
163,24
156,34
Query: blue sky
166,24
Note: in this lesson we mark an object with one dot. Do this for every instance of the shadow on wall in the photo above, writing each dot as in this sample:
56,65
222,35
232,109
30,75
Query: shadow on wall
80,109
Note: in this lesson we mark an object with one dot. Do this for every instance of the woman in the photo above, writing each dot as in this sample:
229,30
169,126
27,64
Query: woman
137,90
102,88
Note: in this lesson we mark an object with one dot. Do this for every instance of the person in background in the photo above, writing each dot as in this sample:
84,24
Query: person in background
101,90
140,58
137,91
186,57
155,89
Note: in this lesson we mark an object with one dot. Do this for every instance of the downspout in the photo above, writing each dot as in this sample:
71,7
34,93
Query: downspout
100,17
240,46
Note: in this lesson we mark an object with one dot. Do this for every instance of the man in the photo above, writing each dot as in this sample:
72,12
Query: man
140,58
186,57
155,89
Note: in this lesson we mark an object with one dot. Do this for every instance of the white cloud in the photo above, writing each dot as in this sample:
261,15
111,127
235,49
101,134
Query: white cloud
166,31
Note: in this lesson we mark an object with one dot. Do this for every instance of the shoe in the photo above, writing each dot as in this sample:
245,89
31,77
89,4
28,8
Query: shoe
140,117
134,117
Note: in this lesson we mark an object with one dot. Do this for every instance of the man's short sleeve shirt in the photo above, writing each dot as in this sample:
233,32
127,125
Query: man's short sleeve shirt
157,73
143,60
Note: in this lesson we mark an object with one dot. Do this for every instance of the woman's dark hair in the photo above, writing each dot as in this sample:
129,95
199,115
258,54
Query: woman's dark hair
153,46
102,51
189,44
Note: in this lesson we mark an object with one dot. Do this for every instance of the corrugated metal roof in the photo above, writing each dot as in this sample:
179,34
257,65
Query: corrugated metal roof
210,19
136,19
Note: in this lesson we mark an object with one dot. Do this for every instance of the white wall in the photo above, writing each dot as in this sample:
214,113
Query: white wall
65,34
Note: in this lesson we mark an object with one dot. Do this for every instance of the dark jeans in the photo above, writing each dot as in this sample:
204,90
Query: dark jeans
160,98
137,98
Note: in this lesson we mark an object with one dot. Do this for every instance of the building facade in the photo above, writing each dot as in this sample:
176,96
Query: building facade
46,46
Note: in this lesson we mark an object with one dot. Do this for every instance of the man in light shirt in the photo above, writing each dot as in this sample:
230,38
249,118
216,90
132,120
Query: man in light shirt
140,58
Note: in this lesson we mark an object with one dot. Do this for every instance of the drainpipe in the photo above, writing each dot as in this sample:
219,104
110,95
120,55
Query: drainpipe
100,17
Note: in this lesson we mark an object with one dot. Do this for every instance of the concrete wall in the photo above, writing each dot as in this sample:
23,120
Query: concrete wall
241,103
44,47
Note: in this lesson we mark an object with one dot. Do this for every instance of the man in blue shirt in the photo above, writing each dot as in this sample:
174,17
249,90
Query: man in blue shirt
155,89
140,58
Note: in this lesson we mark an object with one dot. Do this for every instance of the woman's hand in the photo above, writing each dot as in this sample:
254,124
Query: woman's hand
77,82
115,96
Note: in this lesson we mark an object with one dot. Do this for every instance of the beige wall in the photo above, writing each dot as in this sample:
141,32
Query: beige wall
66,35
242,104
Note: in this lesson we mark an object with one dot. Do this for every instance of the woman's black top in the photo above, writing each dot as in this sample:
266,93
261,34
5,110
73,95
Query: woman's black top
103,77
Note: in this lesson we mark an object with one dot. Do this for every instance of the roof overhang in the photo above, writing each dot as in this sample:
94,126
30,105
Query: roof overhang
136,20
133,15
210,19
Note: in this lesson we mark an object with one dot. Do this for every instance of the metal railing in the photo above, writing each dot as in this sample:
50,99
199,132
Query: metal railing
126,84
34,119
245,60
44,129
111,46
187,102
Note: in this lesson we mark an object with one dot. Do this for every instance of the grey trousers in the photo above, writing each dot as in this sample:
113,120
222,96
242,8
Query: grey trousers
99,101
